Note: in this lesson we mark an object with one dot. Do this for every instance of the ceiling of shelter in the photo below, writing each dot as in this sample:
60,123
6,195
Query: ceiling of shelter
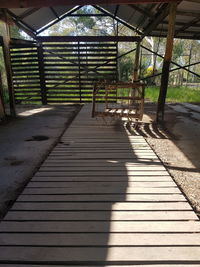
146,19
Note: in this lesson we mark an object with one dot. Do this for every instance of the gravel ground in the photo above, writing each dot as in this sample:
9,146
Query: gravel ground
177,144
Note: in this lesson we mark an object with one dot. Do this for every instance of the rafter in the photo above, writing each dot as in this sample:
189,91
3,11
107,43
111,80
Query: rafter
117,19
159,16
70,12
47,3
24,27
141,10
18,20
54,12
28,13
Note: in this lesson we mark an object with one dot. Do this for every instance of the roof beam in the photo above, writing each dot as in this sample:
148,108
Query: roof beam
188,13
48,3
187,25
17,19
58,19
28,13
155,21
88,38
141,10
54,12
24,27
117,19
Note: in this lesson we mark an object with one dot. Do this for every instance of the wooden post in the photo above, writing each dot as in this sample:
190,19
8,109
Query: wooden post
166,62
42,74
136,63
79,71
2,108
135,71
190,55
7,60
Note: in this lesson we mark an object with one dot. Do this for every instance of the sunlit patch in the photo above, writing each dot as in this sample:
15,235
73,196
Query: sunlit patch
34,111
113,161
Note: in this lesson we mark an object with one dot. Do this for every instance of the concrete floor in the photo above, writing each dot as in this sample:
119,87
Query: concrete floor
21,154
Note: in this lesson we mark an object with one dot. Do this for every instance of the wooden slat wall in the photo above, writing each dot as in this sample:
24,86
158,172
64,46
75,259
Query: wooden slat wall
26,74
70,70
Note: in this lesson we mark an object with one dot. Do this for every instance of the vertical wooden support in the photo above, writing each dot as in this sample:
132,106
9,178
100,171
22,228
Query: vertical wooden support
117,55
7,60
2,108
42,74
79,70
136,63
189,61
166,62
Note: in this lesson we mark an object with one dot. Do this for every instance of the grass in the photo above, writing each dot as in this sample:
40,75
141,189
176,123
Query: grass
174,94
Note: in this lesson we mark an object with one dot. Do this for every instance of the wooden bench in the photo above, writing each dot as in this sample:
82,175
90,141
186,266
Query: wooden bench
120,100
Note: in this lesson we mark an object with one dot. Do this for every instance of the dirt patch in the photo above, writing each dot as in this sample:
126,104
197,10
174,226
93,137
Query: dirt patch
177,144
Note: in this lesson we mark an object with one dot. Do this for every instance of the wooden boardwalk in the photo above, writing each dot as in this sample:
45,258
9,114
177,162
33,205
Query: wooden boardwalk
101,198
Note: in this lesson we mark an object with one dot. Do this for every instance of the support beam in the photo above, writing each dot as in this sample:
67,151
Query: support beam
2,108
7,60
188,25
117,19
21,25
28,13
42,74
88,38
166,63
136,62
47,3
155,21
71,11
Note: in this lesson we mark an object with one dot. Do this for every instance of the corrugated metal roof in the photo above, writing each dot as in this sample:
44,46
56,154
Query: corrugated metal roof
140,17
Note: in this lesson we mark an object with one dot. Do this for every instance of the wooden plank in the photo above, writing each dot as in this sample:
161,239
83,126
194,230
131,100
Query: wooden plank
99,255
140,178
103,190
105,265
106,198
101,216
102,173
101,227
122,206
106,168
88,38
100,239
122,184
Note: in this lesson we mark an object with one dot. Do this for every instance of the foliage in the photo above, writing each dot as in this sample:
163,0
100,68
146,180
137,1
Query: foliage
174,94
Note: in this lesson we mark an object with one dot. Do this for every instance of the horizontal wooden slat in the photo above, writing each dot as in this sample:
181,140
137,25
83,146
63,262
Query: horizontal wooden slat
97,255
142,216
102,190
104,198
102,206
101,227
100,239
